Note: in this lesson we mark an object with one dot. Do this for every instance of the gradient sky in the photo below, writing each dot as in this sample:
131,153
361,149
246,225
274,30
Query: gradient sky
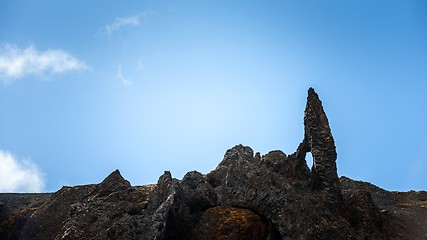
146,86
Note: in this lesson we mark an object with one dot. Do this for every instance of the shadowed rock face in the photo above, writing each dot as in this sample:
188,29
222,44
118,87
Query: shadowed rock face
247,196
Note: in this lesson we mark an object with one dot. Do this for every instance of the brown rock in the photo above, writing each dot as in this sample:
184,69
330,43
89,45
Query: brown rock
228,223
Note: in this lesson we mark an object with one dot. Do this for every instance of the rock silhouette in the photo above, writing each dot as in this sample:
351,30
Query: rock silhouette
247,196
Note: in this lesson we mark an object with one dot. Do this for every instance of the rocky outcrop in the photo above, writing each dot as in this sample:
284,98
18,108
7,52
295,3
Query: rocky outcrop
247,196
113,206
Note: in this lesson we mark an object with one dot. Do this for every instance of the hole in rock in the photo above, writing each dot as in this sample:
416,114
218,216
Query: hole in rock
309,160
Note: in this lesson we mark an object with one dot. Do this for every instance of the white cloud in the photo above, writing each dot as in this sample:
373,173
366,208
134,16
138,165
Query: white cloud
19,176
121,22
16,63
125,81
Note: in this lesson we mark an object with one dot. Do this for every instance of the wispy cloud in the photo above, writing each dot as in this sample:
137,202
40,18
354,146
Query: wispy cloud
123,21
19,176
125,81
141,65
16,62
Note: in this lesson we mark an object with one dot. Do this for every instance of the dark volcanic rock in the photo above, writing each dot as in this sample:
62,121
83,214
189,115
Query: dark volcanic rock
319,141
113,206
291,207
16,208
113,183
46,221
247,196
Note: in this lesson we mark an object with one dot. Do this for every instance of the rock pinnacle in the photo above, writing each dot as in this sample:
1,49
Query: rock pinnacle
319,141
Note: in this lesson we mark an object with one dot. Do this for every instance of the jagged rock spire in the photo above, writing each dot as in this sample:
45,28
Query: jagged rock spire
319,141
112,183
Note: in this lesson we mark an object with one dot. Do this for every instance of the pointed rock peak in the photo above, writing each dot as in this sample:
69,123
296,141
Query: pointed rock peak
114,176
165,179
311,92
114,181
319,141
238,152
314,110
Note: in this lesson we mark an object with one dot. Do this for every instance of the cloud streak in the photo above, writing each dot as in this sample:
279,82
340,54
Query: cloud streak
122,22
16,63
125,81
19,176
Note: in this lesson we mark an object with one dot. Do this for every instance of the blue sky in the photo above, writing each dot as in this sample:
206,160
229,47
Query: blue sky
147,86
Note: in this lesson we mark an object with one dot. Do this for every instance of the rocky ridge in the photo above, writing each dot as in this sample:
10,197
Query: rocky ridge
247,196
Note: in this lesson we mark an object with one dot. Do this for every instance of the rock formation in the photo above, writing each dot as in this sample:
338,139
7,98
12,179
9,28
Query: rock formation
319,141
247,196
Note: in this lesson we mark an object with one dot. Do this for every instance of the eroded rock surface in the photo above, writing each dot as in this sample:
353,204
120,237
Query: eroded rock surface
247,196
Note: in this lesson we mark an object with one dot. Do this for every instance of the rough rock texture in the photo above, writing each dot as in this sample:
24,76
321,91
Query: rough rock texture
43,223
15,209
319,141
247,196
113,205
